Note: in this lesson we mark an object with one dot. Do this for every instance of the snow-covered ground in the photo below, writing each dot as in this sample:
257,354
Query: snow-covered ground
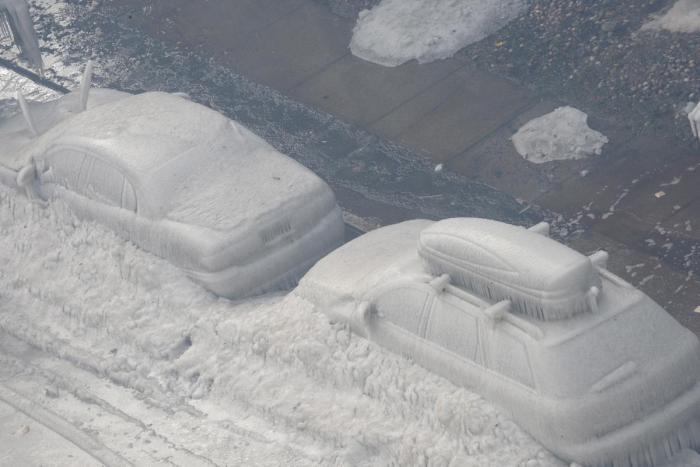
683,16
273,367
559,135
396,31
11,83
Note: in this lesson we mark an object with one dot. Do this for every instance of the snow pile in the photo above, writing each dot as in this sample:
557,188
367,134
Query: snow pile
396,31
78,291
560,135
683,16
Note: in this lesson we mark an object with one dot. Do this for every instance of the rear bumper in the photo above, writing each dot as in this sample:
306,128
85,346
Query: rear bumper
645,442
278,269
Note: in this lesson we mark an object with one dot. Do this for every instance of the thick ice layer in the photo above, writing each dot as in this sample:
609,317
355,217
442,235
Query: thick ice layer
16,23
182,181
560,135
618,386
76,290
683,16
396,31
542,277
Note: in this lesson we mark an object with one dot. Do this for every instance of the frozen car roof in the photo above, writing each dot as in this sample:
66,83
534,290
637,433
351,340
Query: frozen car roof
145,130
357,266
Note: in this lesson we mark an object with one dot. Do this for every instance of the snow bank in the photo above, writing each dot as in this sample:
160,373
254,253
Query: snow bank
78,291
396,31
683,16
560,135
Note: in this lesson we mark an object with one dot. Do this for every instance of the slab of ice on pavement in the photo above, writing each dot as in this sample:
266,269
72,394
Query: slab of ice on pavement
683,16
396,31
559,135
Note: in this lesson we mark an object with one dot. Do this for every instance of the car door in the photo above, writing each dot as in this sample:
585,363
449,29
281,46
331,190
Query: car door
507,352
86,175
398,314
453,324
62,168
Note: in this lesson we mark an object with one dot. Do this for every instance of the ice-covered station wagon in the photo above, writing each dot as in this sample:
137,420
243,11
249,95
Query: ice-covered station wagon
179,180
587,364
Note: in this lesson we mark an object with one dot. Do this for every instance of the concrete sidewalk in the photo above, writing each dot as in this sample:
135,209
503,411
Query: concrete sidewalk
640,199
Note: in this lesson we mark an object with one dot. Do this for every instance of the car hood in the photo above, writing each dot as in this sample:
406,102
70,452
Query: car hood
237,181
358,266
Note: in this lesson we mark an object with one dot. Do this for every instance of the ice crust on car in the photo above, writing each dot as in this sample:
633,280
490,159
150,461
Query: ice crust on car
616,386
181,181
540,276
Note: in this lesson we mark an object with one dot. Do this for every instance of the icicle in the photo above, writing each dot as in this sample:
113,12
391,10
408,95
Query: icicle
16,23
85,86
26,113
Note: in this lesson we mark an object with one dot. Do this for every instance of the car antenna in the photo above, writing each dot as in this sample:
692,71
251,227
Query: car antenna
27,115
85,86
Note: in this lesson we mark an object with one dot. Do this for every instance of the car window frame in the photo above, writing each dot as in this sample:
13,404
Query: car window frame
86,168
427,304
475,314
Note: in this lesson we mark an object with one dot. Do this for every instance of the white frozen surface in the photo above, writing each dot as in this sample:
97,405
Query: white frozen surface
578,385
540,276
11,83
16,25
182,181
694,119
25,442
559,135
396,31
683,17
302,391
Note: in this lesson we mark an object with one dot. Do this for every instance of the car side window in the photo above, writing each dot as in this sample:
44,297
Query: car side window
509,355
106,184
454,329
403,307
64,168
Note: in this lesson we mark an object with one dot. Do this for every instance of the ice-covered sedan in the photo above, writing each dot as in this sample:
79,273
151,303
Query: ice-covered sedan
587,364
179,180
